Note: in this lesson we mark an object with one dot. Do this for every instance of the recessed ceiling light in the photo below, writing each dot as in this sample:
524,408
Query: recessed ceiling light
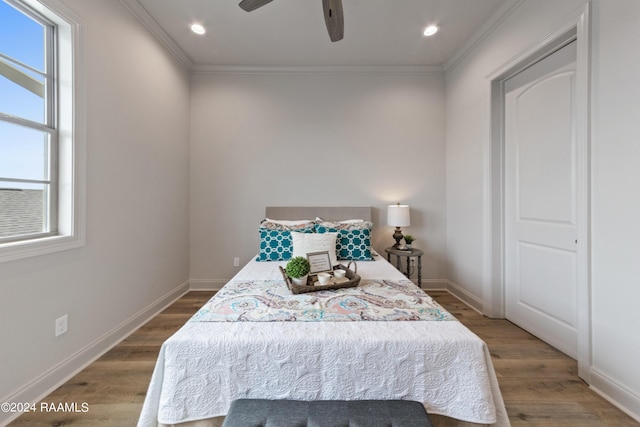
198,28
430,30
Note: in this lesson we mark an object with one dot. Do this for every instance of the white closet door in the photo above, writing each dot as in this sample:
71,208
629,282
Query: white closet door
540,200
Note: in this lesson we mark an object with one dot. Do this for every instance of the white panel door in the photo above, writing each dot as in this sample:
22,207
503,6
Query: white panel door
540,200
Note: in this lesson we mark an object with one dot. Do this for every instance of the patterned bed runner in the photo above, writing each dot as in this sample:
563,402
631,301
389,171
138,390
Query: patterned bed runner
271,301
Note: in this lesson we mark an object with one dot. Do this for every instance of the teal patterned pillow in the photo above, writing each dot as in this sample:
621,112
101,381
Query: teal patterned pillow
354,239
275,240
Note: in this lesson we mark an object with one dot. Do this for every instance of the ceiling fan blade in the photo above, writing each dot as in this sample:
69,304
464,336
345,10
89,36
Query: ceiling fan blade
334,19
250,5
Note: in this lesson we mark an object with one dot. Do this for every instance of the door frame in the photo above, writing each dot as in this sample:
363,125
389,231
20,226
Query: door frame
576,27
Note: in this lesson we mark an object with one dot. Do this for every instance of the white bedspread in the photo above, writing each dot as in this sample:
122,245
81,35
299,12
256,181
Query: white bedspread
205,366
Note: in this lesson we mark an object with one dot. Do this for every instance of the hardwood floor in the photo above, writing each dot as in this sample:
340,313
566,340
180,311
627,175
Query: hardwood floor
539,384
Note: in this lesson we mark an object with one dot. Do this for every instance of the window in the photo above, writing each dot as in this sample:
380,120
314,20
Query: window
28,129
40,130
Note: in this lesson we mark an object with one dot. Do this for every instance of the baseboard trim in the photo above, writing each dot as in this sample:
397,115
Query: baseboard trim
465,296
206,284
619,396
43,385
432,284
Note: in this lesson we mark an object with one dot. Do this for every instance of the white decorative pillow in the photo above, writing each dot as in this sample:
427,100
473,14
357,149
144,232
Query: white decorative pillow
303,243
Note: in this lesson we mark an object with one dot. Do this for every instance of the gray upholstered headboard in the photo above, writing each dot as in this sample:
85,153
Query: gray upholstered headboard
330,213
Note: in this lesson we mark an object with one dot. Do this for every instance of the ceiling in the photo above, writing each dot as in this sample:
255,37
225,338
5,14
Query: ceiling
288,33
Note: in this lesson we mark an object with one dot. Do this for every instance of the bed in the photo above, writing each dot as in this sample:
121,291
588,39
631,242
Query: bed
385,339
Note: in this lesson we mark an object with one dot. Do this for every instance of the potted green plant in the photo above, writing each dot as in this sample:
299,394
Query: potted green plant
298,269
408,239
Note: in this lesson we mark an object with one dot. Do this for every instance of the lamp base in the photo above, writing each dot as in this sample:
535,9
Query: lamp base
397,235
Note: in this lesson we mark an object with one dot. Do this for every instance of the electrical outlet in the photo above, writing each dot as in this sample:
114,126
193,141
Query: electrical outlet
236,262
62,324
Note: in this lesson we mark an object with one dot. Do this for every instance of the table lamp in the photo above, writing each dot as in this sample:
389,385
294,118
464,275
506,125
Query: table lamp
398,216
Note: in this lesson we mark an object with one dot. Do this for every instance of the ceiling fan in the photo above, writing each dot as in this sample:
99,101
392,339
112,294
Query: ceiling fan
332,15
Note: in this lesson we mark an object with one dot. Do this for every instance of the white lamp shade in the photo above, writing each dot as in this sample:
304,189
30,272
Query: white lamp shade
398,215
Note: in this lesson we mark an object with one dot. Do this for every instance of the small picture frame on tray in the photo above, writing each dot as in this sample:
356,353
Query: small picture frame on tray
320,262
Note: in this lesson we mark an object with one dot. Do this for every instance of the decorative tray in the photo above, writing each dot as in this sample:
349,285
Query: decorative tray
351,276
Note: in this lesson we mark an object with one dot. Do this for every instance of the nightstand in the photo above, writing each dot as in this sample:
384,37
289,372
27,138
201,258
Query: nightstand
406,254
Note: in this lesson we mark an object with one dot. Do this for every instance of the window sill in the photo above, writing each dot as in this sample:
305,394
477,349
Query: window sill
29,248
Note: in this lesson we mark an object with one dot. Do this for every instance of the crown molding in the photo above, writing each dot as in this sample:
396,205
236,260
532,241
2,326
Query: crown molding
317,69
140,13
146,20
498,17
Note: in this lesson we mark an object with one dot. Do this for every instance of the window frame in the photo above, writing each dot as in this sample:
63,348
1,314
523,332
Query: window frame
49,127
65,123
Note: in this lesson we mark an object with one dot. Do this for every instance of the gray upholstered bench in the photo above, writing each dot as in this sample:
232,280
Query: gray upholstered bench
326,413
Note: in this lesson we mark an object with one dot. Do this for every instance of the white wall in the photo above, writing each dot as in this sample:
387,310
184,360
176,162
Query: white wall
615,174
616,205
313,139
136,252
